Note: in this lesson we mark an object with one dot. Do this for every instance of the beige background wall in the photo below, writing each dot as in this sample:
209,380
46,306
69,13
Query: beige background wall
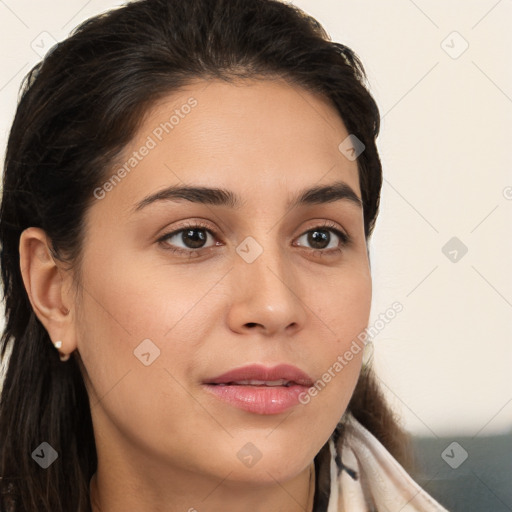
441,73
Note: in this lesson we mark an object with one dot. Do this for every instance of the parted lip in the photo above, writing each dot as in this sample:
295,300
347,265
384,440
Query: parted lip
260,372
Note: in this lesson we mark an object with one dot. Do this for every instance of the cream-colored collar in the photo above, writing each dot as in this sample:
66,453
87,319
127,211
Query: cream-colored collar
378,481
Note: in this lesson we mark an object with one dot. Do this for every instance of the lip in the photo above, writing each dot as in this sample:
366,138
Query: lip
261,372
260,399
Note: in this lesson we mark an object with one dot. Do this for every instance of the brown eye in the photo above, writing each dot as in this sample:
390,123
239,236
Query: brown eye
321,238
189,239
192,238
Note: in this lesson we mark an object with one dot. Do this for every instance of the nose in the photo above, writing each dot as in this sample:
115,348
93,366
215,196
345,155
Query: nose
267,296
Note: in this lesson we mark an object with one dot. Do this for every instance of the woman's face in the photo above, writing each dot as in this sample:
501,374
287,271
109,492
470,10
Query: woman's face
267,282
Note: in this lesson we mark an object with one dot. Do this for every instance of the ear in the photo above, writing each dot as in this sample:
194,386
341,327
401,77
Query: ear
48,287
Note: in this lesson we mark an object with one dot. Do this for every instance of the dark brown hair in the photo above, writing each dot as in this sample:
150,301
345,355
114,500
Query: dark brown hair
78,109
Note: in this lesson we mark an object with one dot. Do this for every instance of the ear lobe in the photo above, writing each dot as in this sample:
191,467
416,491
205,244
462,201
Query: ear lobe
45,284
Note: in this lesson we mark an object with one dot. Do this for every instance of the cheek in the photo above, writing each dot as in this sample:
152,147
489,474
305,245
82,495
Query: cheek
128,299
343,306
343,310
134,312
138,338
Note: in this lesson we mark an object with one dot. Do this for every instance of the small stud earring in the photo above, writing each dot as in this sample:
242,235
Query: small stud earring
63,357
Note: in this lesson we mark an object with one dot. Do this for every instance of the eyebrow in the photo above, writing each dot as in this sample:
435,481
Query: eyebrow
337,191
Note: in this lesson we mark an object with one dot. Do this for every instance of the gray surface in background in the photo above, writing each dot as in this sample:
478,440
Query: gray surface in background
481,483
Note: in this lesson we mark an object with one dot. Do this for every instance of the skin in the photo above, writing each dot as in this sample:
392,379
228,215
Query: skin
163,443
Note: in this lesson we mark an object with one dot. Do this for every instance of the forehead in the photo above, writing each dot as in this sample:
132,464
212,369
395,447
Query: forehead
259,138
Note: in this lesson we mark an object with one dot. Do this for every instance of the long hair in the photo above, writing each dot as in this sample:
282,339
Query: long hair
78,109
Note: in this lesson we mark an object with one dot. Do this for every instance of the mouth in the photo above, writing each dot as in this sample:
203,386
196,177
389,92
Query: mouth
268,383
259,389
260,375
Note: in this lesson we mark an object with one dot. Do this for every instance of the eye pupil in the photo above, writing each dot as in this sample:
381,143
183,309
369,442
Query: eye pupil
195,240
314,239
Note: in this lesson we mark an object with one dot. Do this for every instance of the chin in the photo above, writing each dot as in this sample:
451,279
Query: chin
266,465
264,474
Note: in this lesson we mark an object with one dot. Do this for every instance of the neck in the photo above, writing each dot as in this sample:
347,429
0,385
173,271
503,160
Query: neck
120,492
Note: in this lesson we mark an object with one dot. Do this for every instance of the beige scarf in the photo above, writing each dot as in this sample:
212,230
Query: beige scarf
382,484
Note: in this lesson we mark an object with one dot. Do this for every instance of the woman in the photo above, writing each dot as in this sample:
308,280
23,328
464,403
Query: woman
189,190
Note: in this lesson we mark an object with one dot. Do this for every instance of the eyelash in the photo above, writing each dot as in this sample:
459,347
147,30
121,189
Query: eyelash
327,226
